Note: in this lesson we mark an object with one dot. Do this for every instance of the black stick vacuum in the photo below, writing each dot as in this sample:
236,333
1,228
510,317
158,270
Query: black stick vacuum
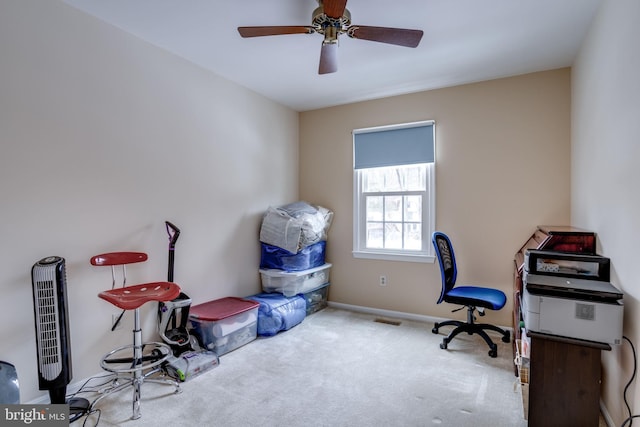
189,359
174,315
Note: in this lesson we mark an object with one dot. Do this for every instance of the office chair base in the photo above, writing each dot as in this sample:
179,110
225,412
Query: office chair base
472,328
123,360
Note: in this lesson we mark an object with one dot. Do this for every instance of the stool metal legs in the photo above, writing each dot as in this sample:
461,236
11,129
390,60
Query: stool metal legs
130,362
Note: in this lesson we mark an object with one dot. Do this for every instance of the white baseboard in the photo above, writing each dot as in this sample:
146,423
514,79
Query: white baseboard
387,313
44,399
605,415
395,314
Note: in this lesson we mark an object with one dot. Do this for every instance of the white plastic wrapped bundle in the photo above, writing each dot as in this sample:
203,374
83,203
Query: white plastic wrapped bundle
295,226
279,229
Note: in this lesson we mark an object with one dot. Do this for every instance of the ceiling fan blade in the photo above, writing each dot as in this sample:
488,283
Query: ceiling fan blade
334,8
328,58
274,30
397,36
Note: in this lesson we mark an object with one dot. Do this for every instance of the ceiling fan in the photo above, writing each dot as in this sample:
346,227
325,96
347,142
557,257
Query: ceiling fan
331,19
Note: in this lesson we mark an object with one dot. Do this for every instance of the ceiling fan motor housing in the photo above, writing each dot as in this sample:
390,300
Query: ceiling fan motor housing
330,27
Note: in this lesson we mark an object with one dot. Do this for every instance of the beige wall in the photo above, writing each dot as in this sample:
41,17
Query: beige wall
605,173
502,167
104,138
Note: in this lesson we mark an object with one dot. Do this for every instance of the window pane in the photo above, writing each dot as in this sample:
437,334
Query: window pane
395,178
375,239
373,180
413,237
413,209
393,208
392,235
375,205
415,178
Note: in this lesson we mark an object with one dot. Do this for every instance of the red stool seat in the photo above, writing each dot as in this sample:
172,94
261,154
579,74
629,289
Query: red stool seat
134,363
132,297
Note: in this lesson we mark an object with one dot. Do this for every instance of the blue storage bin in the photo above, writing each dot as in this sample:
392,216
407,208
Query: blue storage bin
281,259
278,312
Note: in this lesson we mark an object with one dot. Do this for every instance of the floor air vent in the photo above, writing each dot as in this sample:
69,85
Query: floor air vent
388,322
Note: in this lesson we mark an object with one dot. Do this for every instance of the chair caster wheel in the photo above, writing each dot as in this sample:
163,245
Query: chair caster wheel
434,330
506,337
443,345
493,352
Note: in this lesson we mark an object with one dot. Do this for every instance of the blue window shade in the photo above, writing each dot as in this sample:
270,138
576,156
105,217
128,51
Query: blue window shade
392,147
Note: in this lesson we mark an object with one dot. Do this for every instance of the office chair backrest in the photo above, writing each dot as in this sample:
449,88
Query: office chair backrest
447,260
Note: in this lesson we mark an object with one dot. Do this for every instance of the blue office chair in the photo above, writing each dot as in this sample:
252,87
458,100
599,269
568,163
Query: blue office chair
472,297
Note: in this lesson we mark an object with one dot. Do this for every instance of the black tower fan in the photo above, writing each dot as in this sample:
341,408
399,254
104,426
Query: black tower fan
48,277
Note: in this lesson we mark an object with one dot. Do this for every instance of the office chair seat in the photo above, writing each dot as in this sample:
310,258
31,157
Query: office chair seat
472,297
492,299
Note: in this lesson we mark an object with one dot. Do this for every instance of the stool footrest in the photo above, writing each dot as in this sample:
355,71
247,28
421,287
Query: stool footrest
151,357
153,354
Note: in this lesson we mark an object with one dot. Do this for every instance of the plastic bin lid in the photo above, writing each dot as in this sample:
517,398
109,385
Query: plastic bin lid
221,308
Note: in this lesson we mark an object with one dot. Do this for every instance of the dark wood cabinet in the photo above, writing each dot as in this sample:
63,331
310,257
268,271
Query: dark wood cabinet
564,381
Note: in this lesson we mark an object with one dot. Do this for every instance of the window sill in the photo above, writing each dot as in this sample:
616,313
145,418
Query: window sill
394,257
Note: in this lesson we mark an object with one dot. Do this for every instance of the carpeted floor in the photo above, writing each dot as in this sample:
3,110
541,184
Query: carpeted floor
338,368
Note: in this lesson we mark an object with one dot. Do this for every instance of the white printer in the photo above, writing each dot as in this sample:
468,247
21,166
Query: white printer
570,295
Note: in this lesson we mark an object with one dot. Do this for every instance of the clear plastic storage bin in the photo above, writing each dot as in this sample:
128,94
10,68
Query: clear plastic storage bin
225,324
317,299
295,282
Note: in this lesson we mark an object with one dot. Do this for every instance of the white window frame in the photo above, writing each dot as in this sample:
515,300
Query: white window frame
360,250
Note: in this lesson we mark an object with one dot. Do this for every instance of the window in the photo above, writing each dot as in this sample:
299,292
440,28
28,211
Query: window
394,197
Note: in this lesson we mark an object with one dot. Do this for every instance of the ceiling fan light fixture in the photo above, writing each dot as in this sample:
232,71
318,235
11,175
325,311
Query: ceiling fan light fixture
331,34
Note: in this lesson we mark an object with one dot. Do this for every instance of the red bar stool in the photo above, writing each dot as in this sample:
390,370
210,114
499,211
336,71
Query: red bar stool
133,364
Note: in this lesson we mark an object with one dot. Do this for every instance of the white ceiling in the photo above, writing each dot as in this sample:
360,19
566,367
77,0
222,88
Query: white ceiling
464,41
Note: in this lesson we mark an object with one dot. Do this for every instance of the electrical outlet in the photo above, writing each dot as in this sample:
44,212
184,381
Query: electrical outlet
383,280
